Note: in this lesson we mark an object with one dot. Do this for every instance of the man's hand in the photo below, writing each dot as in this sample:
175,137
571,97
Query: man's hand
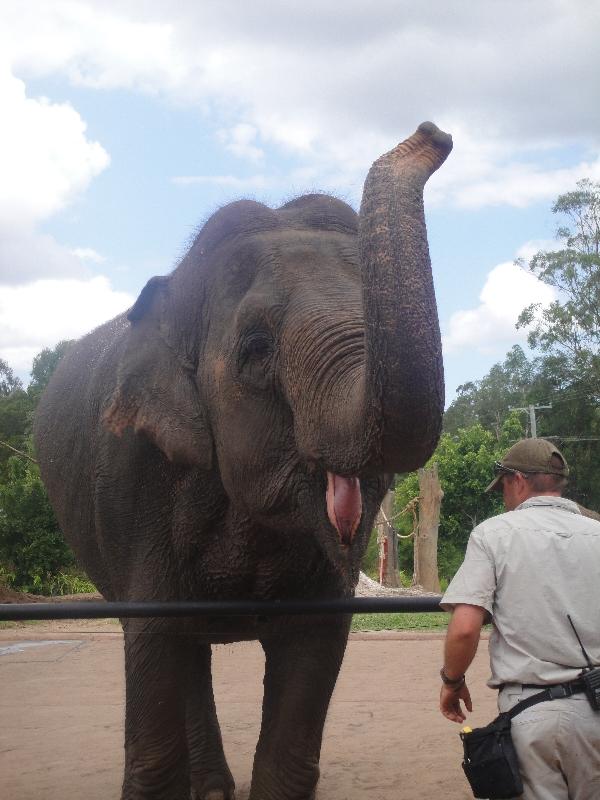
450,702
459,650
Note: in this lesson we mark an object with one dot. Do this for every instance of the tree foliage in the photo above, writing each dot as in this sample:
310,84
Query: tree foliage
44,365
8,381
32,550
564,372
572,421
569,328
488,401
465,462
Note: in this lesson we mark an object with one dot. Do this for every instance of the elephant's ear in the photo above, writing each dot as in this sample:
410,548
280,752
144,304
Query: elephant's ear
157,393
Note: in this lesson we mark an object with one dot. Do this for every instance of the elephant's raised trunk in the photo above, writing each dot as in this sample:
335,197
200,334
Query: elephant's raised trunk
404,370
384,411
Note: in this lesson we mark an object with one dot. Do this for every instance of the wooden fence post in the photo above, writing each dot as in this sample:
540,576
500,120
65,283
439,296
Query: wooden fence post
388,543
426,539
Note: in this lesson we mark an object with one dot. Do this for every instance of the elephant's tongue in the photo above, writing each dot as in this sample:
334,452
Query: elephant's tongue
344,505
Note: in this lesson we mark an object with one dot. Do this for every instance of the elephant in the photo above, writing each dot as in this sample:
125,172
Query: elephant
231,437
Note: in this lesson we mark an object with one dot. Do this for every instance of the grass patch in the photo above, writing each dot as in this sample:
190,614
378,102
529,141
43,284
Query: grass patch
20,623
434,620
431,621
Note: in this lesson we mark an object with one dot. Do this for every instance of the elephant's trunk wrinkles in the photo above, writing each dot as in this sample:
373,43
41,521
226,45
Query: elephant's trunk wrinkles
393,412
404,369
316,386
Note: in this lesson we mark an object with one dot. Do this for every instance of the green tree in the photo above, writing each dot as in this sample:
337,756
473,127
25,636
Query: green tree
465,465
33,553
569,328
9,382
44,365
572,421
32,549
564,373
567,334
15,414
489,400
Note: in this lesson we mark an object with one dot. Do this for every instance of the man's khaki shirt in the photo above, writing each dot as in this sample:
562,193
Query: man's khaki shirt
529,568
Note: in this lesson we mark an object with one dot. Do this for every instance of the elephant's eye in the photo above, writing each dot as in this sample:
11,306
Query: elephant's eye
258,345
256,355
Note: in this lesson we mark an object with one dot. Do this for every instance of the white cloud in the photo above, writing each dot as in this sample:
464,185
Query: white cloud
46,161
26,255
527,251
490,327
241,141
45,157
88,254
42,313
521,185
334,89
231,181
497,172
92,45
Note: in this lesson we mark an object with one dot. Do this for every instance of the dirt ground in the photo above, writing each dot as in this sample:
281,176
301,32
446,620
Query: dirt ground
61,715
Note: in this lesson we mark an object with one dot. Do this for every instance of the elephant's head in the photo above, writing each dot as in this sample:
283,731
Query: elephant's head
297,353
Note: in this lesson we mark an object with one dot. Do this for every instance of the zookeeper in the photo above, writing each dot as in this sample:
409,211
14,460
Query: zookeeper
525,571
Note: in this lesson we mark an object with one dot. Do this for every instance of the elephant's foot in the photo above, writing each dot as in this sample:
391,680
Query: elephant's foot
294,780
156,779
213,794
164,791
213,786
273,793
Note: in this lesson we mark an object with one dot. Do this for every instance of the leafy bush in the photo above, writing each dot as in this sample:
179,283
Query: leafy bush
32,549
68,583
465,466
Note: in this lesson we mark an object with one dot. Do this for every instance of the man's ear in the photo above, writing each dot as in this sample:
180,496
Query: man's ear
157,393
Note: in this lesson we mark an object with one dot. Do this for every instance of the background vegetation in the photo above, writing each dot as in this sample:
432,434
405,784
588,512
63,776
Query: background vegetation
34,557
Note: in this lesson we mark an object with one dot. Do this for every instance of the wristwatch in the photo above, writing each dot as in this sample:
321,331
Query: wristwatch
452,683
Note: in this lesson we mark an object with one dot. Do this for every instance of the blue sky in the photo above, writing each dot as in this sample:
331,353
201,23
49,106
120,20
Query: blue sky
126,124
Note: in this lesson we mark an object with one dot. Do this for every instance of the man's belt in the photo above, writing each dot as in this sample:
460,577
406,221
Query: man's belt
559,689
554,692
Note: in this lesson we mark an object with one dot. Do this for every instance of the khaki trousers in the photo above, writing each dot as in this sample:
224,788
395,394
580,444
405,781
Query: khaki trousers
558,746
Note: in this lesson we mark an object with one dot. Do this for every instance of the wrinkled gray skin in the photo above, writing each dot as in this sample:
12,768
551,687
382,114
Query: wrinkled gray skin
187,448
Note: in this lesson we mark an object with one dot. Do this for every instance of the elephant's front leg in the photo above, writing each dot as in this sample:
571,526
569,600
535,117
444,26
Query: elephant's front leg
210,776
156,757
302,664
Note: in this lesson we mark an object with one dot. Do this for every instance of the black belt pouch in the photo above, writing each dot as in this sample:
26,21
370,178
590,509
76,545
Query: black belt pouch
490,761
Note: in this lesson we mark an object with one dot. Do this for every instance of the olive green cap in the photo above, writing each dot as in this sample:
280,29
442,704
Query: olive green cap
530,455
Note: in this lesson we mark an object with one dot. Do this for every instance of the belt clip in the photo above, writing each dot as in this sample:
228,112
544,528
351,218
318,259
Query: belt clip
562,690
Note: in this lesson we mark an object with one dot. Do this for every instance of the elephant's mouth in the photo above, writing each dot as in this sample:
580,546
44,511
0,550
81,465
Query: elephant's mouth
344,506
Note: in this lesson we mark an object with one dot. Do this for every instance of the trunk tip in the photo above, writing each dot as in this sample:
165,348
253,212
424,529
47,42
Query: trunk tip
441,140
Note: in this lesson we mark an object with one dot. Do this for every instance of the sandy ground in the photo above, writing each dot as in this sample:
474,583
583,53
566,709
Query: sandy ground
61,715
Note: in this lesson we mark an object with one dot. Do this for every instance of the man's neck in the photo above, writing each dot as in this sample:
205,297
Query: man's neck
541,494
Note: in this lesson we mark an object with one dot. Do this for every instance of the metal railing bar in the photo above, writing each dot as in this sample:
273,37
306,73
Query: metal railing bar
260,608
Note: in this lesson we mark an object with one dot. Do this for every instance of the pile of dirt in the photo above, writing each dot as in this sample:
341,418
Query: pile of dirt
11,596
367,587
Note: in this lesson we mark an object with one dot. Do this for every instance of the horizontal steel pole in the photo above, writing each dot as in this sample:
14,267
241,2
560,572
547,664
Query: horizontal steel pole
259,608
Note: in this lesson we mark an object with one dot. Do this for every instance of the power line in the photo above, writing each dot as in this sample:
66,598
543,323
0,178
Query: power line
574,438
564,397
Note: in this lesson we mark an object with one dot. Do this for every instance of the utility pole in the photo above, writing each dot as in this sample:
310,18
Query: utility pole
531,409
